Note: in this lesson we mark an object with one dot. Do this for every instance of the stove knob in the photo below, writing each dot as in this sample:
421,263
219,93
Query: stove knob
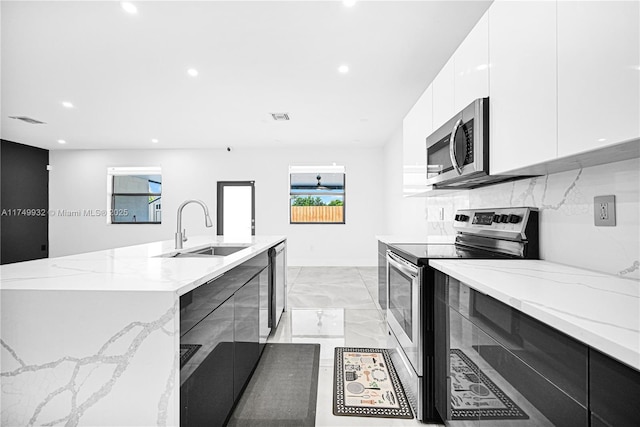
514,219
504,218
496,218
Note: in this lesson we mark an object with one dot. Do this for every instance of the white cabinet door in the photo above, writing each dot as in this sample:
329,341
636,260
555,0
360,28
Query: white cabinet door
471,64
443,94
598,74
416,126
522,84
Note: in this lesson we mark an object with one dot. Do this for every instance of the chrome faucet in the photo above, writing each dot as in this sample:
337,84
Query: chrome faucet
181,234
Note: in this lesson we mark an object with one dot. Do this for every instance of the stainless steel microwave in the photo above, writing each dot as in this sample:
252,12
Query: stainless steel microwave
458,152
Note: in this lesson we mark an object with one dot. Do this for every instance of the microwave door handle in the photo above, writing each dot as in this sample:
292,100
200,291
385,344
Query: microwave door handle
452,146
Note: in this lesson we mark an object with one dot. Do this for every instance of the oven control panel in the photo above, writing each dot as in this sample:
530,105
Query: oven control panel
483,221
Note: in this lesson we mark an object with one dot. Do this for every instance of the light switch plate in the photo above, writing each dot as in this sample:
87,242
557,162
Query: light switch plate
604,211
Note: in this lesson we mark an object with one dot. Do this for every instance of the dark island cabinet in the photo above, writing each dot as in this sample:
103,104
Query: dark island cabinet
246,327
220,324
206,379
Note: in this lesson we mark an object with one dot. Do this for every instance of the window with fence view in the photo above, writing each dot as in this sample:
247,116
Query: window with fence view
317,195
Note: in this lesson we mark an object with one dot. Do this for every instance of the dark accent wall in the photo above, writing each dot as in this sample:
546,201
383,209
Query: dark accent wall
24,202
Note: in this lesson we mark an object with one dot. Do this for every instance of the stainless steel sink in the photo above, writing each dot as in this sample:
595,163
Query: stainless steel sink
206,252
218,250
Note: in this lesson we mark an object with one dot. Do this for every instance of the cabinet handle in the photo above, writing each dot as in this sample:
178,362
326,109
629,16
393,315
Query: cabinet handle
452,146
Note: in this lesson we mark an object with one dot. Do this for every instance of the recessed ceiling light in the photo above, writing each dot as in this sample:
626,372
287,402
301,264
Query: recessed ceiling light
348,3
155,141
344,69
67,104
602,139
129,7
62,141
192,72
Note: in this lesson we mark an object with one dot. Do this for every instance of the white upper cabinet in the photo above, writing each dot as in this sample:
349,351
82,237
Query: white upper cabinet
598,74
522,82
416,126
443,94
471,64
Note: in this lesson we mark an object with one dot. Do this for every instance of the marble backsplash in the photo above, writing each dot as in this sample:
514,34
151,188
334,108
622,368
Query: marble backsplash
565,200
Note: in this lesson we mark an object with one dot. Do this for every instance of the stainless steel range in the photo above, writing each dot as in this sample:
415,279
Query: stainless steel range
481,234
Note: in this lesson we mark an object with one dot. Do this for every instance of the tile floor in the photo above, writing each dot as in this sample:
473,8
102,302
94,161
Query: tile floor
335,306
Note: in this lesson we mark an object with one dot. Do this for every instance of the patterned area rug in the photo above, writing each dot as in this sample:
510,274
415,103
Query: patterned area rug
367,385
474,395
186,351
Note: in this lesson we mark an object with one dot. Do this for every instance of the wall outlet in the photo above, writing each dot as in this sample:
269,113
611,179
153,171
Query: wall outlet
604,211
441,214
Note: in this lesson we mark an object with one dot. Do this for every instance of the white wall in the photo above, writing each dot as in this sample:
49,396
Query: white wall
77,181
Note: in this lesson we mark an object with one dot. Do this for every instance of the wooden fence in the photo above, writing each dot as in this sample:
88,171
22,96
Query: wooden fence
317,214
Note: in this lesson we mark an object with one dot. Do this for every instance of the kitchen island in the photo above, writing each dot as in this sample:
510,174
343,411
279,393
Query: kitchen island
94,338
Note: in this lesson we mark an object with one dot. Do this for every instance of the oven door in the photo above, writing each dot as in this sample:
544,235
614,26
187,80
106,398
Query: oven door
404,312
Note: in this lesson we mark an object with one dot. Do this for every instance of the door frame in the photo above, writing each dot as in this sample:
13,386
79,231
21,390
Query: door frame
220,203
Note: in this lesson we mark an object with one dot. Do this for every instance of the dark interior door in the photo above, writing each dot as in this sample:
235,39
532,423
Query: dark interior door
24,203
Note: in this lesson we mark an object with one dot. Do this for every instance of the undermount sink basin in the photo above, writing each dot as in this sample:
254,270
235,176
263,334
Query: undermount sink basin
206,252
218,250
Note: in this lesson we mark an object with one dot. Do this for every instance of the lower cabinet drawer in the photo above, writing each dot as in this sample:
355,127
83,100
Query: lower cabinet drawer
496,379
206,379
554,355
246,334
614,390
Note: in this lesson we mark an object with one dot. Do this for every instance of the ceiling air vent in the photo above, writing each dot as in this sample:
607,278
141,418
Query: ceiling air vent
28,120
280,116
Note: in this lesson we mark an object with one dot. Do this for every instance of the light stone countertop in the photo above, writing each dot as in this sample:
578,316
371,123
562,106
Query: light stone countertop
133,268
600,310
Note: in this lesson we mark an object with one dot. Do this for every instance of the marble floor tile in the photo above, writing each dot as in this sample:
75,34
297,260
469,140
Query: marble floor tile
292,274
365,328
327,295
368,274
334,306
318,322
334,275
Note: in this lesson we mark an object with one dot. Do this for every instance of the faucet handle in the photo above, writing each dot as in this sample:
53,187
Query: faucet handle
184,235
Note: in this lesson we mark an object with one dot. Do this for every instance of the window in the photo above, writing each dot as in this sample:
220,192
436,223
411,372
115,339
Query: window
317,194
135,195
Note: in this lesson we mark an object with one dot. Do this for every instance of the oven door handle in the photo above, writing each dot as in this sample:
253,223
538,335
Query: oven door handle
402,264
452,146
